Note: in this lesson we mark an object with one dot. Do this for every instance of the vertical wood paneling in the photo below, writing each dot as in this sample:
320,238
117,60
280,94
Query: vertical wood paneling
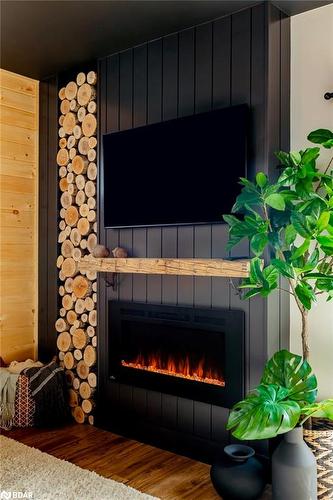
169,250
210,66
241,57
112,103
126,280
221,62
139,119
202,412
154,295
257,160
285,82
202,234
186,251
170,111
203,250
52,212
257,343
140,86
170,77
139,250
18,216
186,72
169,296
203,68
112,236
220,287
273,88
126,90
155,64
126,122
242,250
101,235
219,423
112,125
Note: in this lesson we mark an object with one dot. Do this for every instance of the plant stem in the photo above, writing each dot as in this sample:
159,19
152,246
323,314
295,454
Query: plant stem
302,310
305,334
287,291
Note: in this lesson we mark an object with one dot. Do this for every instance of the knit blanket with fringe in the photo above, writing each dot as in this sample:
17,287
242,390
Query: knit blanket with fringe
49,391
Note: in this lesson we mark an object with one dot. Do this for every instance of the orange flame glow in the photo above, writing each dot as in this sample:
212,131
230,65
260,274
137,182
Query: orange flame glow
182,368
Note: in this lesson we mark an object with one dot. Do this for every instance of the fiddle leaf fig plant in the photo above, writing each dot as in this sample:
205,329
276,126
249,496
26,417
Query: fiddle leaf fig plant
291,220
285,398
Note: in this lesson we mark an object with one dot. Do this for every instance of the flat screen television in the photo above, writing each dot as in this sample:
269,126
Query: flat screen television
182,171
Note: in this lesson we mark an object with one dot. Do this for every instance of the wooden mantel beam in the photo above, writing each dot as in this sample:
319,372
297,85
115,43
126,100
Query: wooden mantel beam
180,267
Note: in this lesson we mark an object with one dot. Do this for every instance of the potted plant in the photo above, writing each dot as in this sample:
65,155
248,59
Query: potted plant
291,220
281,404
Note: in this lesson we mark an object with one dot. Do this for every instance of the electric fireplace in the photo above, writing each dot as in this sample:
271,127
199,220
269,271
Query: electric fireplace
194,353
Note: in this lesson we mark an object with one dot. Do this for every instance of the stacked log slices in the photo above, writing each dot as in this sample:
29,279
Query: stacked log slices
77,238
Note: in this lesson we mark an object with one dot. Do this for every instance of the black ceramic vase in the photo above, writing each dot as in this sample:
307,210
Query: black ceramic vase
238,475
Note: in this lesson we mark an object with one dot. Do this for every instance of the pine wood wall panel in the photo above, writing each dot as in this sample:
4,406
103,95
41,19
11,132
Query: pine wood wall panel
18,204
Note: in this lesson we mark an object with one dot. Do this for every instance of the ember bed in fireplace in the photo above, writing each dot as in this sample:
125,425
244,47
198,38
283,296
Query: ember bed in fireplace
193,353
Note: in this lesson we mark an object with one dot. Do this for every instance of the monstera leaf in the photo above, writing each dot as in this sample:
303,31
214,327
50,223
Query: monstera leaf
264,414
321,409
288,370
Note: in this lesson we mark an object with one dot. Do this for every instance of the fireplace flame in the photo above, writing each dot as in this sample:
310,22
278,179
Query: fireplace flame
182,368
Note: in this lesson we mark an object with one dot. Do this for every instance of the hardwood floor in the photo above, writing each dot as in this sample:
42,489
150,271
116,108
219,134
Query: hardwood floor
145,468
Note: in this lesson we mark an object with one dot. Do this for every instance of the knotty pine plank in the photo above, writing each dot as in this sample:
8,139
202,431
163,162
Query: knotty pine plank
18,135
18,100
18,83
17,117
17,168
15,151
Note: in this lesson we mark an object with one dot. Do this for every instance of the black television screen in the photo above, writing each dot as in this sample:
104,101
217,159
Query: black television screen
182,171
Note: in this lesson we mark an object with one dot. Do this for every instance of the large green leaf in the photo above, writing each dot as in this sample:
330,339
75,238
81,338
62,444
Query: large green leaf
321,409
310,154
270,274
320,136
290,371
276,201
261,179
323,221
284,268
249,196
288,177
301,224
325,241
258,243
299,251
305,294
264,414
290,234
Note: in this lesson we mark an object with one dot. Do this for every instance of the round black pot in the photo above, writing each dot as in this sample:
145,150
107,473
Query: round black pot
238,475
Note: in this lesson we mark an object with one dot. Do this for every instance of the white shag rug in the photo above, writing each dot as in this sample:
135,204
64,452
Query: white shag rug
33,474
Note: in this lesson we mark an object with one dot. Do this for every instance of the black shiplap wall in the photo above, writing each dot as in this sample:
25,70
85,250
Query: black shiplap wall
242,58
47,218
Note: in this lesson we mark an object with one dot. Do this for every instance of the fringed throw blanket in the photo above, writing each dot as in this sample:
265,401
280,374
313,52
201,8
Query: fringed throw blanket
49,391
7,398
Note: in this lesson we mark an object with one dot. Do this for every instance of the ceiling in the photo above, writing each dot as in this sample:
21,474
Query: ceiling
40,38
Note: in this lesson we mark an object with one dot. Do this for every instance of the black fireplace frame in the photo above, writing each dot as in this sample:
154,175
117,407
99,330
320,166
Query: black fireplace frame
228,322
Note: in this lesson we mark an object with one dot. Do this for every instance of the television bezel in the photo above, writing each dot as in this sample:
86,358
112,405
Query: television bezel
171,224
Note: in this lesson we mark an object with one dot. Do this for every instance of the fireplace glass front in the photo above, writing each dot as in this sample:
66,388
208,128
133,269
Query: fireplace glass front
195,353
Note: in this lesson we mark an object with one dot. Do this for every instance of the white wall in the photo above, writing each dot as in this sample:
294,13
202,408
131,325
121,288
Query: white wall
311,77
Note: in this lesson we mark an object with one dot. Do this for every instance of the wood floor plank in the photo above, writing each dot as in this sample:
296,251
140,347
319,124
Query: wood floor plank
146,468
